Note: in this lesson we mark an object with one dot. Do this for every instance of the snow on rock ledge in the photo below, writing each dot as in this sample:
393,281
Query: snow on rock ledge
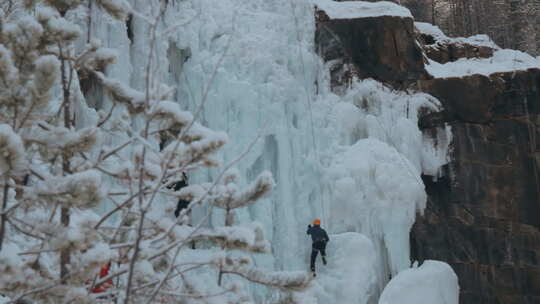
502,61
432,283
361,9
439,37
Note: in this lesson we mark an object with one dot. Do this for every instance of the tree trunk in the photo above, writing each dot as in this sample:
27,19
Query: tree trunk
3,216
64,211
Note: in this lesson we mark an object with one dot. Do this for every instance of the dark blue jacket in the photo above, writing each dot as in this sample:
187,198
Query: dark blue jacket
317,234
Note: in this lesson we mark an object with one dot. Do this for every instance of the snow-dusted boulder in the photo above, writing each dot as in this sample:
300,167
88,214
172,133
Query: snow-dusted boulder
432,283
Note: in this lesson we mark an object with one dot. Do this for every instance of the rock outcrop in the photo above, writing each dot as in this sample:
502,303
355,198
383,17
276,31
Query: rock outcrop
378,47
446,52
483,214
442,49
481,99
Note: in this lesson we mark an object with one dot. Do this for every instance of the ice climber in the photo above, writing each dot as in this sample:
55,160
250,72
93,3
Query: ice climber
319,238
182,203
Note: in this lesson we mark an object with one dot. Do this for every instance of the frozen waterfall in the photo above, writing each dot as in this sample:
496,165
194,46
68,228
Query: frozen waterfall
354,160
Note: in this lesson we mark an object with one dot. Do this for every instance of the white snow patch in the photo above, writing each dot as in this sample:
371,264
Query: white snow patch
502,61
440,37
434,282
4,299
361,9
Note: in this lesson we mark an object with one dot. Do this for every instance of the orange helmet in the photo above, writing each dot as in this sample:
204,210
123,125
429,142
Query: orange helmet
316,222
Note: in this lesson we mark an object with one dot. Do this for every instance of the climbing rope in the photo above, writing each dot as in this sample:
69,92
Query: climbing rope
310,109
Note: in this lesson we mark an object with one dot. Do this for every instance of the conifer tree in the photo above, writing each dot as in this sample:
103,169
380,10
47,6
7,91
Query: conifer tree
56,168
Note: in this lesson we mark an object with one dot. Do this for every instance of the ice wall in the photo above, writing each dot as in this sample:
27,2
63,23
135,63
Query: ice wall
354,160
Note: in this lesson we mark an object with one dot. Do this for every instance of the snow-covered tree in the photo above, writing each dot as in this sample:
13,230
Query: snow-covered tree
56,168
510,23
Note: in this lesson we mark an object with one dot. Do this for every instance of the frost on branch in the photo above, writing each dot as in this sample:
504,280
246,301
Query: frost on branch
63,5
248,238
119,9
169,115
97,256
96,58
195,152
122,93
288,280
261,187
15,274
73,238
151,164
258,189
62,140
81,190
78,295
12,153
24,38
8,72
57,29
46,73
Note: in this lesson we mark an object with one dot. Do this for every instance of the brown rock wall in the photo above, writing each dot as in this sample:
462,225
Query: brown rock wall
483,218
383,48
483,215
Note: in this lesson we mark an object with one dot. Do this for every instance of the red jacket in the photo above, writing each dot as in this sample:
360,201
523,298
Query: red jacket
103,272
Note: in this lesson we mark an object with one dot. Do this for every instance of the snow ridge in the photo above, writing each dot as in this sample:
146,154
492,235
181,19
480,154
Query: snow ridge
502,61
361,9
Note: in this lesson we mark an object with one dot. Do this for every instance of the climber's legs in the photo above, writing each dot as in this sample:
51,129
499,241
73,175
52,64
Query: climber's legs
314,252
323,255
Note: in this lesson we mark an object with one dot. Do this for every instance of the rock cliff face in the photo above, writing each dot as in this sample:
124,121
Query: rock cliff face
444,51
483,215
382,48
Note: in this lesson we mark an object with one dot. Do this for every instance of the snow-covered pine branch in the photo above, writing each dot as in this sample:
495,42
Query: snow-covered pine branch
198,151
288,280
228,197
69,206
122,93
249,238
119,9
56,29
12,153
60,139
80,190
